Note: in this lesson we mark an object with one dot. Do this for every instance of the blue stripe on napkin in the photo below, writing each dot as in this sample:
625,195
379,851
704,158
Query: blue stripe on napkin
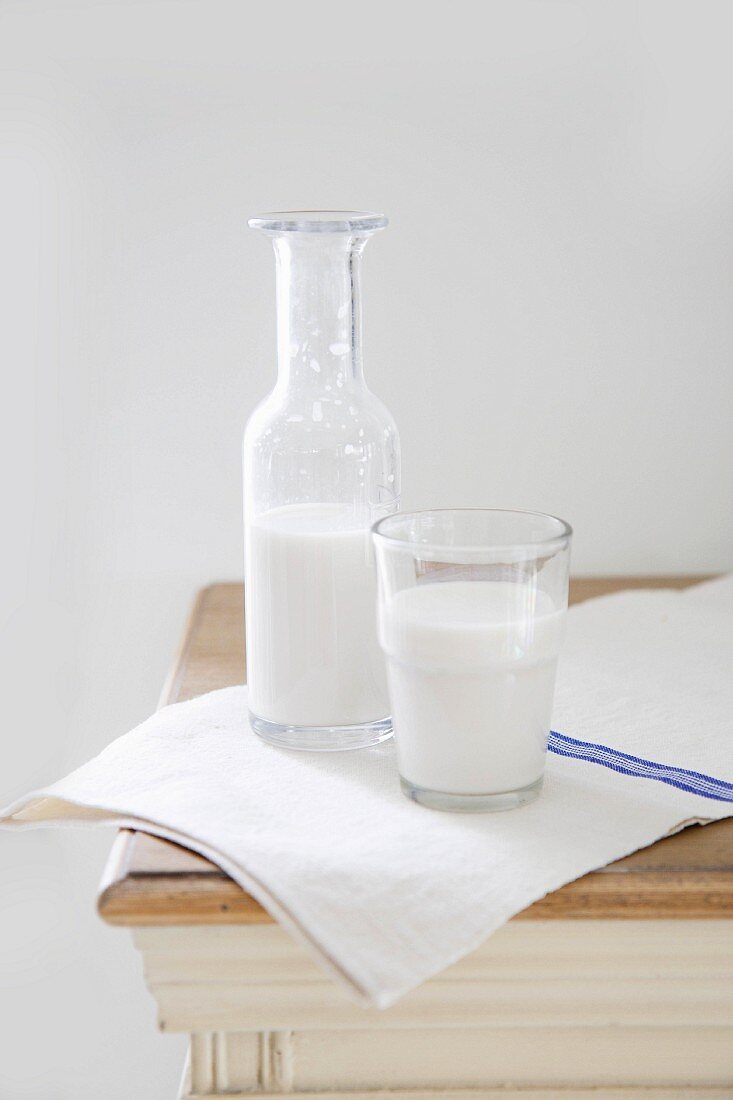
704,785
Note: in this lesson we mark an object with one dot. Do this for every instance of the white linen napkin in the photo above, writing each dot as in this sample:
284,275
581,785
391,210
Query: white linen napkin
386,893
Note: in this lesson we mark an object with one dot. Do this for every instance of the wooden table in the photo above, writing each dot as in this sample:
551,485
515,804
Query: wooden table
618,981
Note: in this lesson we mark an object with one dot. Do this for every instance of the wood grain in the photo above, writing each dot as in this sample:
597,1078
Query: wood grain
153,882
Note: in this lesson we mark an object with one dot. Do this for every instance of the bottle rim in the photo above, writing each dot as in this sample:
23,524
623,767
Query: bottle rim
318,221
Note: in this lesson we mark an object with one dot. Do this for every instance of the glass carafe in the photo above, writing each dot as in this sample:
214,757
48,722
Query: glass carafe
321,465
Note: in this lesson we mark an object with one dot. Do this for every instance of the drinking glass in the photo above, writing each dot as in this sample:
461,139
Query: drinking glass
471,609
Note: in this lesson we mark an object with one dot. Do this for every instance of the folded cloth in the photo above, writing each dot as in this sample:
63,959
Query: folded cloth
386,893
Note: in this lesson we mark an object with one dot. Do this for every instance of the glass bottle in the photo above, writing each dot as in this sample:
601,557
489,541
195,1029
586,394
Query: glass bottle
321,465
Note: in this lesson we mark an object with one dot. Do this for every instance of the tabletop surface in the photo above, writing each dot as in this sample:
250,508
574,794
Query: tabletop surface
149,881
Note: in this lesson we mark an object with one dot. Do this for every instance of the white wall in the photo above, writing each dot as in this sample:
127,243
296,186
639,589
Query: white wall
548,318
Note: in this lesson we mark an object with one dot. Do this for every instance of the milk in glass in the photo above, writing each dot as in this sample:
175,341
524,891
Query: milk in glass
312,649
471,668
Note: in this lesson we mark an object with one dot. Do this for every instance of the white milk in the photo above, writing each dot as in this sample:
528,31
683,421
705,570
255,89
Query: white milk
312,652
471,669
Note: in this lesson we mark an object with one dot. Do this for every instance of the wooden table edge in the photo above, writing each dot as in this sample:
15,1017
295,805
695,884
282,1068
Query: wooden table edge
204,894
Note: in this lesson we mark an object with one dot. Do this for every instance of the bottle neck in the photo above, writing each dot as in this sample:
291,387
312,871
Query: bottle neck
318,310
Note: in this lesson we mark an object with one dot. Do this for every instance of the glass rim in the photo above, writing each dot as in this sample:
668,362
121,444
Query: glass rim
318,221
563,536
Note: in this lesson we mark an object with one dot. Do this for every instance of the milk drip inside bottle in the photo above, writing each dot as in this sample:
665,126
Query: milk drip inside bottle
321,465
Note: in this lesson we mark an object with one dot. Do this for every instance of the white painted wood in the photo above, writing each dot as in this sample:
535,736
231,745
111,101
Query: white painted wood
634,1093
555,1005
279,1006
237,1061
276,1061
522,1056
521,950
202,1063
376,1065
517,1058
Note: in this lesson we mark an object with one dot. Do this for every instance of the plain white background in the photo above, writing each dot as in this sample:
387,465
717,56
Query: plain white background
548,318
